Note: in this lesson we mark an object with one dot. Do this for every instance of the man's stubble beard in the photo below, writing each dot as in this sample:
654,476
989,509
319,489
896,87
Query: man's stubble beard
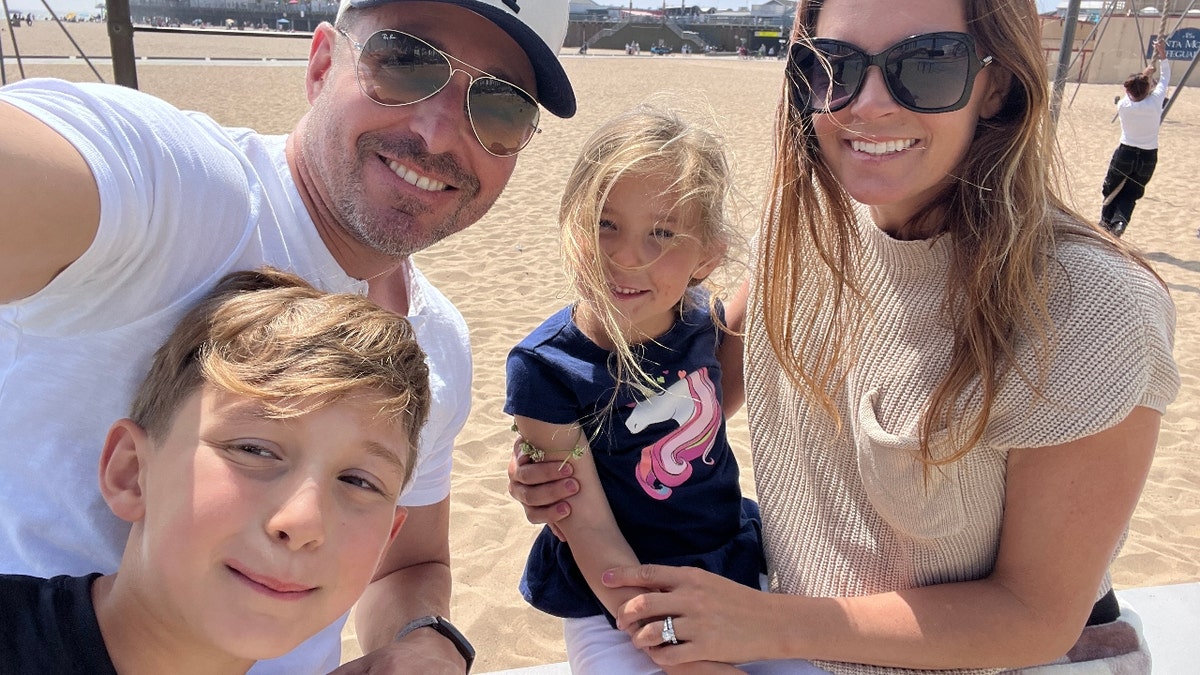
396,229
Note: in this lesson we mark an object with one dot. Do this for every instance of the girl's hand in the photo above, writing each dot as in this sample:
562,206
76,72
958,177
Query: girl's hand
715,619
1160,49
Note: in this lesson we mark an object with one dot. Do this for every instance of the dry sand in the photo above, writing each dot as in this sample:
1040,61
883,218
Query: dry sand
504,275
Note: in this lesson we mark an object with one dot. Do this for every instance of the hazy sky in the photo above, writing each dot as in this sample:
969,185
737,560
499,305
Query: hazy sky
62,7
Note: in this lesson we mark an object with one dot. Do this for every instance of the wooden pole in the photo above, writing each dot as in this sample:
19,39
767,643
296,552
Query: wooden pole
16,49
3,72
120,41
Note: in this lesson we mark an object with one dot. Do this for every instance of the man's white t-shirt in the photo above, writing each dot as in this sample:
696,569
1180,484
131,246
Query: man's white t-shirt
183,201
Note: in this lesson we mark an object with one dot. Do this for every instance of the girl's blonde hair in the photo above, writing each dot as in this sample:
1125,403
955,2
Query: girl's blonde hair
647,140
1002,214
270,336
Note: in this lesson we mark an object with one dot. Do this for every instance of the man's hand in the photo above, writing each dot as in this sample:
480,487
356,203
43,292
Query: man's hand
413,580
422,651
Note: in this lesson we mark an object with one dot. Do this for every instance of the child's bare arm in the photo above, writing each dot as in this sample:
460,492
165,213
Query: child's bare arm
591,530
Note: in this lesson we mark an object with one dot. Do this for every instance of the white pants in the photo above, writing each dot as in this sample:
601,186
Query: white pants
596,648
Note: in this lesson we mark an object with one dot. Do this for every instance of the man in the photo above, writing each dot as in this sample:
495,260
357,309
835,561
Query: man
122,211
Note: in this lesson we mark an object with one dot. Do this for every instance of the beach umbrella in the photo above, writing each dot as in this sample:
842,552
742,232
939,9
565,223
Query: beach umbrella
282,21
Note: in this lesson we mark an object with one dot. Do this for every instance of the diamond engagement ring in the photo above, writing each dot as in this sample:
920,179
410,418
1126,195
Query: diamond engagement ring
668,634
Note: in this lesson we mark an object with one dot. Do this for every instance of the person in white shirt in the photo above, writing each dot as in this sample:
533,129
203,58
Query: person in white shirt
122,211
1133,162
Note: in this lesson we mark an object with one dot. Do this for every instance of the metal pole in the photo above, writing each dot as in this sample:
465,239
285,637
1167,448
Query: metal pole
72,40
1179,87
120,40
1137,22
3,73
1183,16
1064,58
1095,48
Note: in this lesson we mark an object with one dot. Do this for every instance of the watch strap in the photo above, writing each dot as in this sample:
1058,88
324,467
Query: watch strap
447,630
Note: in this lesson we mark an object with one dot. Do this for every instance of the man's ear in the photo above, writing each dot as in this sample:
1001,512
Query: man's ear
320,59
999,81
121,465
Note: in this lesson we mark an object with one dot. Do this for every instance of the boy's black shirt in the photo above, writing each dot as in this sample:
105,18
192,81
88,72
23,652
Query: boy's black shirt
49,626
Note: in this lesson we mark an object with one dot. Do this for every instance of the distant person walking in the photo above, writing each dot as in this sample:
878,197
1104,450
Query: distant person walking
1134,160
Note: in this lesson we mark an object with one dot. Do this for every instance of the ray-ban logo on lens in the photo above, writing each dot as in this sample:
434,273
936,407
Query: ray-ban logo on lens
512,4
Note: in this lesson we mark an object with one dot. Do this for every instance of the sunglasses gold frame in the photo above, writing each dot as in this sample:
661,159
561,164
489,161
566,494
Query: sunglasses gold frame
451,60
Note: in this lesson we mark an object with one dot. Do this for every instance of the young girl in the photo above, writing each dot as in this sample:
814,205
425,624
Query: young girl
954,383
627,380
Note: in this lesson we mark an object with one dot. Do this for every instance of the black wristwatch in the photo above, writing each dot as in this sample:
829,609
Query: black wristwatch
447,629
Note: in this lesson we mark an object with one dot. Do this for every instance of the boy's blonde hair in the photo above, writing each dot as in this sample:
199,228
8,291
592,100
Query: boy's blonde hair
647,140
269,335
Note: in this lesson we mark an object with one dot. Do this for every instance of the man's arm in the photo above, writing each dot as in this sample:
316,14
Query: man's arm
413,581
50,200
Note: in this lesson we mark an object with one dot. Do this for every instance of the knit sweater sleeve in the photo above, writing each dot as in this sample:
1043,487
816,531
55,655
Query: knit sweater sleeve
1111,351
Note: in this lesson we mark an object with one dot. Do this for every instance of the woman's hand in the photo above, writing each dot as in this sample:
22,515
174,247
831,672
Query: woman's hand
1160,49
542,488
714,619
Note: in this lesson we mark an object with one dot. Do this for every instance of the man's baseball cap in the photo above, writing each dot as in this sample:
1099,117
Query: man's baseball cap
538,26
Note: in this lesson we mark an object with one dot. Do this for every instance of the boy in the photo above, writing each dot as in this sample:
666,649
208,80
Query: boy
259,468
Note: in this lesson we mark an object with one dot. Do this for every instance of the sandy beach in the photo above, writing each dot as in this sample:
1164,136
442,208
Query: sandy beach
504,275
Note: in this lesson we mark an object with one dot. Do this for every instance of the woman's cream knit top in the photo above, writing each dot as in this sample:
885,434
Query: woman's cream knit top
848,513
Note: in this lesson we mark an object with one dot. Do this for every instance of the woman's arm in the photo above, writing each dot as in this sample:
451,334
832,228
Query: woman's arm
1066,508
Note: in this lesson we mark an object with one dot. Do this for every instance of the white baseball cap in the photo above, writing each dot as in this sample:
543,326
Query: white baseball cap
538,26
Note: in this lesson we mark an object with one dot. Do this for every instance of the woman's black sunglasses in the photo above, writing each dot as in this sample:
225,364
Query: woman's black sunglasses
396,68
928,73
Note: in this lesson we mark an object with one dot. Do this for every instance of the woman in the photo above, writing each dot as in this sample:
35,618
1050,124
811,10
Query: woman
952,413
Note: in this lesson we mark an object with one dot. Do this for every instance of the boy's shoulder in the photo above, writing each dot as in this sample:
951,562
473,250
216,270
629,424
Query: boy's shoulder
50,626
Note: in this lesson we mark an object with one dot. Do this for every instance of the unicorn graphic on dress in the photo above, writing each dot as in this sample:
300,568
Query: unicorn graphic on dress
692,402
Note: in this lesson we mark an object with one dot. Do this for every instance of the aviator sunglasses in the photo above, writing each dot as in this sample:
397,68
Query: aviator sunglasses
927,73
396,68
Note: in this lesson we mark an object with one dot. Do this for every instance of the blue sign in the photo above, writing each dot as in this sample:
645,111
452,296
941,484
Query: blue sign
1181,46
